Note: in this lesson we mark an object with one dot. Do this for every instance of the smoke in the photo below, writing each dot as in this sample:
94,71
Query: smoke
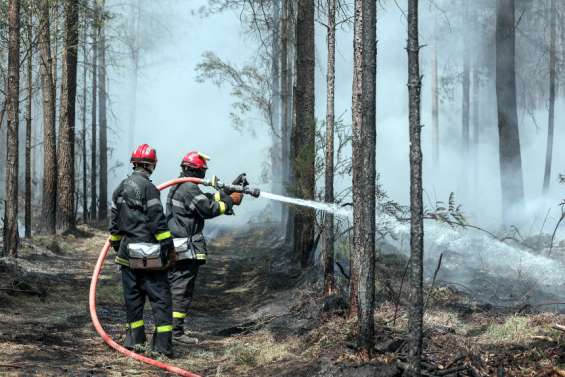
176,114
488,269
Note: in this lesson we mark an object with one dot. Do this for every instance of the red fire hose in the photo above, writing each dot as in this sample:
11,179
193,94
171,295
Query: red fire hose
92,301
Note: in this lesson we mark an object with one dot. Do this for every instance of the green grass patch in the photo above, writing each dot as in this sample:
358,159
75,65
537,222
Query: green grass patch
515,330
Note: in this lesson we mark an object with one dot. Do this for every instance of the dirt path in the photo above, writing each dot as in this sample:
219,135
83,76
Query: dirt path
45,327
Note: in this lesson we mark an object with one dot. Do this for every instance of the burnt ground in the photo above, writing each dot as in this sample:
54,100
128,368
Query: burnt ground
255,316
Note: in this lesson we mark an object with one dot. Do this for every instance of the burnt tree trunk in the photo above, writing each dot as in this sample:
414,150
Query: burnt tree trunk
27,209
49,199
66,165
364,171
466,98
476,127
102,95
83,119
54,9
303,133
11,237
552,89
286,89
416,305
93,114
508,133
275,155
328,252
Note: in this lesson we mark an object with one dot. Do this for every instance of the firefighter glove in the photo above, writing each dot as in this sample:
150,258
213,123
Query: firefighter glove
236,198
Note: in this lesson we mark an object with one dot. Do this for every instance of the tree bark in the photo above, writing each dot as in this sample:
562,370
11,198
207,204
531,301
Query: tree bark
49,199
552,89
466,95
286,89
93,132
276,173
53,7
27,210
66,173
476,128
11,237
303,133
416,306
329,281
364,172
102,94
83,119
509,138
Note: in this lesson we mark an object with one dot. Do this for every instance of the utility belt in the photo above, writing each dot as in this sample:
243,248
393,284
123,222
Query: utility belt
146,256
193,248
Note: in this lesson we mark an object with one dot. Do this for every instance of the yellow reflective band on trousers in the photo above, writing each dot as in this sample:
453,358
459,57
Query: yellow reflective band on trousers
222,207
166,328
201,256
115,237
217,196
179,315
163,236
122,261
136,324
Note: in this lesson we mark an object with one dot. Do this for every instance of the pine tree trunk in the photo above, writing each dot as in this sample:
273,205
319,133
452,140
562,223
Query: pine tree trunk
303,133
54,8
466,96
416,306
435,106
276,174
83,120
286,88
27,210
552,89
476,128
49,199
328,252
93,114
102,95
66,173
509,138
364,173
11,237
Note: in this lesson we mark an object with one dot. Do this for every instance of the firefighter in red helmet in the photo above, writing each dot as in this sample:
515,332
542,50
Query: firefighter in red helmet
187,209
145,250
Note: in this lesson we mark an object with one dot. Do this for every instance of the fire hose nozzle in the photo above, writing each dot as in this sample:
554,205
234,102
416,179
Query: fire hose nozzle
254,192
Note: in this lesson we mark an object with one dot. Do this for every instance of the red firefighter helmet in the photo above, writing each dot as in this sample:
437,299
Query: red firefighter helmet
144,154
195,160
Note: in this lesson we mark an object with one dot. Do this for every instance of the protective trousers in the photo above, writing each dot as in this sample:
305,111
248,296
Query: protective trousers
137,284
182,278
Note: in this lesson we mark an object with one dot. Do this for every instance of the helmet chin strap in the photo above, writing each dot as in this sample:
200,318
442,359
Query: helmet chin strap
147,168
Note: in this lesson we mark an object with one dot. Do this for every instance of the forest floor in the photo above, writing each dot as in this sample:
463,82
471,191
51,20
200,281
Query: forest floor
255,316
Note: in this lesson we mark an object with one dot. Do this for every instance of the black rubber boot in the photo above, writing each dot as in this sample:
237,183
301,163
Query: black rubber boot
179,335
178,326
163,343
135,337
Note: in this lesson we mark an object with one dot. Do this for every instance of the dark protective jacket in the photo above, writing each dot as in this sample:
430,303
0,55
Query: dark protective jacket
137,214
188,208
